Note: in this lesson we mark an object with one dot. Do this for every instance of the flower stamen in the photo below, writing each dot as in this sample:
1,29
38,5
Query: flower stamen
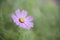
21,20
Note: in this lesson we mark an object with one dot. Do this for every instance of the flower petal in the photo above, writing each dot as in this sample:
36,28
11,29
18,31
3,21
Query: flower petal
15,19
24,13
29,18
18,13
30,24
25,26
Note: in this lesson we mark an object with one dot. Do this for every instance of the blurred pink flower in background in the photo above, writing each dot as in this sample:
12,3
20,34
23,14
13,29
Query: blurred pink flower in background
21,19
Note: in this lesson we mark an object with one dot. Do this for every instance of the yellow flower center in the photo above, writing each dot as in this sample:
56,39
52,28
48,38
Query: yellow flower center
21,20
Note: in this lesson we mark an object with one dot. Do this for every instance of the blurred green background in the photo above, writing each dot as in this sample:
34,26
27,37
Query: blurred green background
46,20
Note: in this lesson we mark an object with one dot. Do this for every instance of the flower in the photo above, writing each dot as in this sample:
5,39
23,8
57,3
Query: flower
20,18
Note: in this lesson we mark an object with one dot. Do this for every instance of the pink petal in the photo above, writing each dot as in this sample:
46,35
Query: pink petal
24,13
18,13
30,24
15,19
29,18
23,25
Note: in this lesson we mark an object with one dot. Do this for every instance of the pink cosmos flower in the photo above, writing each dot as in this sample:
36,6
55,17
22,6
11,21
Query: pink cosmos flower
21,19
